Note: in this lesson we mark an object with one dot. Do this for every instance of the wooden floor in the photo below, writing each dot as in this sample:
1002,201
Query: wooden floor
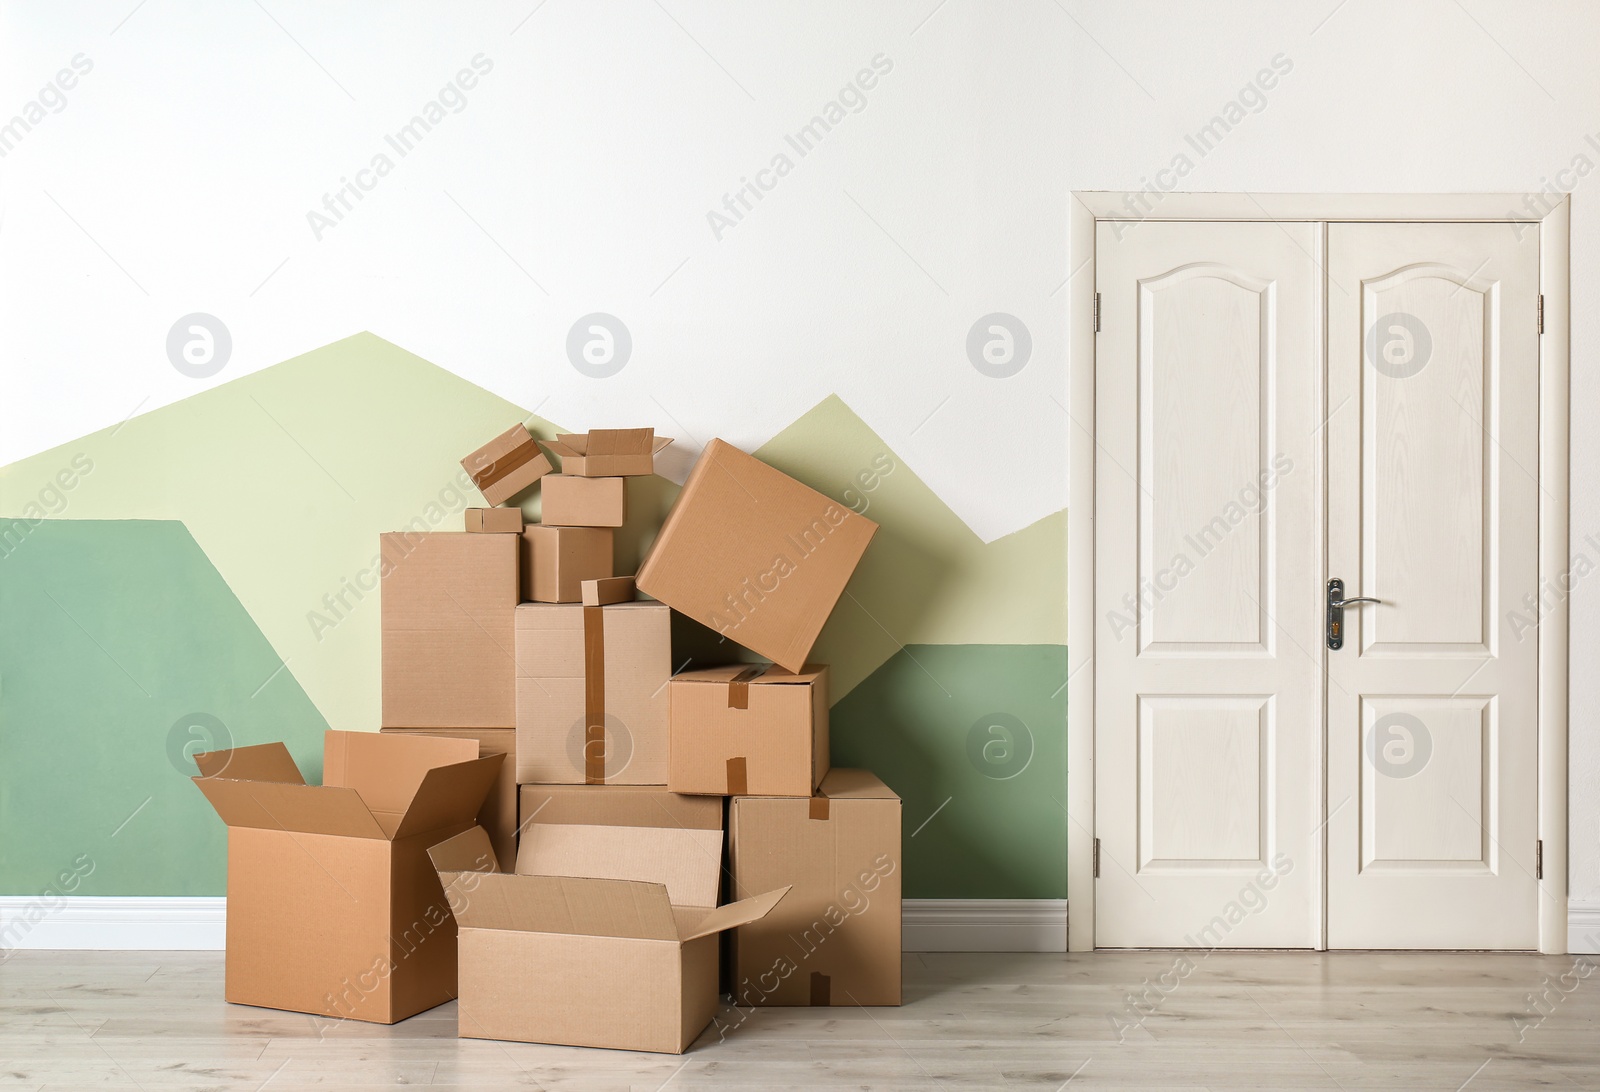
81,1020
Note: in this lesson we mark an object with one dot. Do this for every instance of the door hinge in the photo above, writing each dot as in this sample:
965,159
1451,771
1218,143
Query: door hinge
1097,313
1538,860
1097,858
1541,313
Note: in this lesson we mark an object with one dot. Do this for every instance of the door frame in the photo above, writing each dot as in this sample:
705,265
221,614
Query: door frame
1554,227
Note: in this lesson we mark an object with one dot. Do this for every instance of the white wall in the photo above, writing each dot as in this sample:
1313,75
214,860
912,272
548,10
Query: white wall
579,175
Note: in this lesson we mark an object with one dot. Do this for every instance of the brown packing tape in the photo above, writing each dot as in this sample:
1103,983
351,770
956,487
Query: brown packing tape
821,989
819,807
501,467
739,687
594,696
738,777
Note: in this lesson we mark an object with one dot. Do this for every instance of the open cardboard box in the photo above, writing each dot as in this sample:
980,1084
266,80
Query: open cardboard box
608,452
333,906
607,936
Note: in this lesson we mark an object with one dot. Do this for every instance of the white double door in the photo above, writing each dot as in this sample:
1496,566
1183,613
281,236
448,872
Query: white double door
1278,405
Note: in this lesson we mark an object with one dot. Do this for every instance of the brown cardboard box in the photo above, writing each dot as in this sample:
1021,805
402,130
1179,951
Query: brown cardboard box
609,452
592,702
755,555
608,590
506,465
448,602
756,730
333,906
836,938
498,815
606,937
570,501
494,520
618,806
557,560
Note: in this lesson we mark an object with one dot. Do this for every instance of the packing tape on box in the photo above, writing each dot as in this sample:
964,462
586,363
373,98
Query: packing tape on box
594,695
498,470
819,806
738,777
821,989
739,687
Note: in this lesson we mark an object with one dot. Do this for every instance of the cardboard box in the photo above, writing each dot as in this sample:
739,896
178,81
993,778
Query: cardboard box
608,452
570,501
333,906
605,937
592,701
754,555
498,815
836,939
749,730
506,465
608,590
557,560
618,806
494,520
448,602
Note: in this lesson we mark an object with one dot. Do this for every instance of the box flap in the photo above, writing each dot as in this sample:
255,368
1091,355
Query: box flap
264,762
469,851
561,445
618,806
274,805
560,904
769,674
450,794
687,861
742,912
659,443
386,768
620,441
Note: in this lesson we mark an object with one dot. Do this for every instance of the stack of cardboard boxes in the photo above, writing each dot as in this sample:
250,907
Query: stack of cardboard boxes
516,661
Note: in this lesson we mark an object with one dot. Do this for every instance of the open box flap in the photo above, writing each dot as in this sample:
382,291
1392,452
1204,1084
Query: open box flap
308,809
469,851
753,674
686,861
573,906
388,769
450,794
738,913
264,762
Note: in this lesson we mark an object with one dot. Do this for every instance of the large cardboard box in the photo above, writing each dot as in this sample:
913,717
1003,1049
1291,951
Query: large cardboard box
570,501
749,730
506,465
606,937
608,452
836,939
333,906
498,815
618,806
557,560
449,598
592,700
755,555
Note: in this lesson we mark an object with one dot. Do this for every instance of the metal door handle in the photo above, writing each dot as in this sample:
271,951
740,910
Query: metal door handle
1336,604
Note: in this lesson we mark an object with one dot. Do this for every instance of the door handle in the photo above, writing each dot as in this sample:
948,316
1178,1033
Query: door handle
1336,604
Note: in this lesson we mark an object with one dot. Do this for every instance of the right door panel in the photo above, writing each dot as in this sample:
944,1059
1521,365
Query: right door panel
1433,455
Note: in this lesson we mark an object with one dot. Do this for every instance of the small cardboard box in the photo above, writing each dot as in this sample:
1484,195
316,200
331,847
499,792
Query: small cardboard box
749,730
333,906
608,590
592,701
609,452
754,555
498,815
618,806
571,501
506,465
606,937
836,938
449,598
494,520
557,560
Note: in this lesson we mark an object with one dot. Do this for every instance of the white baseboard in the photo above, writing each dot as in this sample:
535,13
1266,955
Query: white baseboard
122,923
1583,927
984,925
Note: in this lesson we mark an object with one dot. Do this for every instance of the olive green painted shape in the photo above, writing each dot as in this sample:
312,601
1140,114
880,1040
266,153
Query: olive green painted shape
973,738
122,653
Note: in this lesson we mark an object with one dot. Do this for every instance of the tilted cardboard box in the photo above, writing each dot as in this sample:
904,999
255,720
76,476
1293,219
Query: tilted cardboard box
448,602
754,555
506,465
608,452
757,730
592,701
497,521
498,815
557,560
569,501
836,938
333,906
606,937
618,806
